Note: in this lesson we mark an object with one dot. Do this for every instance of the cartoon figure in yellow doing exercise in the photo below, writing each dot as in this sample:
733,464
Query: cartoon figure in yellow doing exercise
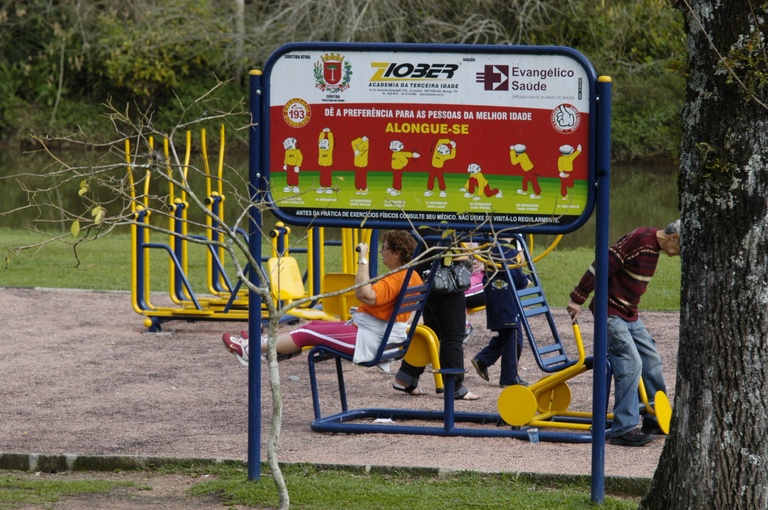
399,160
292,164
445,150
360,149
477,185
325,160
518,156
565,166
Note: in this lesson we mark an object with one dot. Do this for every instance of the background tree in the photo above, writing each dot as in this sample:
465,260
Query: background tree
62,60
716,454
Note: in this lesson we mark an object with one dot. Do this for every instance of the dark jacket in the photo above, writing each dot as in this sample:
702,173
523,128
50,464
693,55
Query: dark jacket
500,305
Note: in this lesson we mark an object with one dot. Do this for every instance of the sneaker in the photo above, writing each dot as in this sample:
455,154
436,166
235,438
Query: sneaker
651,426
443,194
237,346
480,368
634,437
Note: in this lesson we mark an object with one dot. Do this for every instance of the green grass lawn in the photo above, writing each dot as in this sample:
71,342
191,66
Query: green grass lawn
105,264
324,488
17,492
319,488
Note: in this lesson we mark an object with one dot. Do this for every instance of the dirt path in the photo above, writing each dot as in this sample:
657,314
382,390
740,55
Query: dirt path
81,375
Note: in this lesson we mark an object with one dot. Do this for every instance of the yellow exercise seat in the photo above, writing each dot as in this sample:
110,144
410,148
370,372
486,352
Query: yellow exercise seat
424,350
339,306
286,284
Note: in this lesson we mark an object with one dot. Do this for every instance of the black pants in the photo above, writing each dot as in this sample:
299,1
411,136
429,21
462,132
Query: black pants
444,314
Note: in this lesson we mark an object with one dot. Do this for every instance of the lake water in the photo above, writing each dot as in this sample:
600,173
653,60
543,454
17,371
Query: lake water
640,196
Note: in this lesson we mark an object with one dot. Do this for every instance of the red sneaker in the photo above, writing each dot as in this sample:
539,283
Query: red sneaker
238,346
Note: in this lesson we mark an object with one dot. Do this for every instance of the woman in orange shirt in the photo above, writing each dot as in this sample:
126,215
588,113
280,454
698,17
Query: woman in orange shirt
377,302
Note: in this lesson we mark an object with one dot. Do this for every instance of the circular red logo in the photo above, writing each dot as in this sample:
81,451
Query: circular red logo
565,118
296,113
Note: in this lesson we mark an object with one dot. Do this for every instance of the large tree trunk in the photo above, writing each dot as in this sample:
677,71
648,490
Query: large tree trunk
716,456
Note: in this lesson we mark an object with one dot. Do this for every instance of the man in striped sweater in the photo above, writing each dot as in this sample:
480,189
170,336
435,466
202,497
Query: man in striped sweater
631,350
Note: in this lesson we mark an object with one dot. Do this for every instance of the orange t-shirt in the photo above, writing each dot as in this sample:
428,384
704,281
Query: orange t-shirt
386,291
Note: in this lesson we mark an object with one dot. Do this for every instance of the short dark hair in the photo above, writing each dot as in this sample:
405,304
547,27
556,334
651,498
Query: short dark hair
401,242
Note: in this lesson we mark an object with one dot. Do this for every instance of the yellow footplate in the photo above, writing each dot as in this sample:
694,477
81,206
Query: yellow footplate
663,410
556,398
517,405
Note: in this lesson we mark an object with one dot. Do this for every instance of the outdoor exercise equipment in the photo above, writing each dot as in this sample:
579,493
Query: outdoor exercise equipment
552,357
224,297
544,404
420,342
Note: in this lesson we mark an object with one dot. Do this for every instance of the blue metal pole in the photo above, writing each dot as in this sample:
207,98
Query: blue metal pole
141,215
599,394
257,187
178,249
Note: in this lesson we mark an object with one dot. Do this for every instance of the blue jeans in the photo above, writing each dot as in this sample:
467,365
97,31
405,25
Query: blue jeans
507,345
632,353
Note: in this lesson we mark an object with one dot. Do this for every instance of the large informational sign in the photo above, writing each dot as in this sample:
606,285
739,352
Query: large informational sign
401,135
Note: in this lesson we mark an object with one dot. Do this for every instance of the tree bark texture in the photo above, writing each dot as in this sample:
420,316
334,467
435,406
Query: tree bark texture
716,456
